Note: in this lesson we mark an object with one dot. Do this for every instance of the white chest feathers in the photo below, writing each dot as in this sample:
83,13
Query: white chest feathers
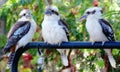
95,30
28,37
53,33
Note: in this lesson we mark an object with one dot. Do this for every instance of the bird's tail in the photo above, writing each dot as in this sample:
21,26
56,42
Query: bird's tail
110,57
6,49
11,57
63,57
64,60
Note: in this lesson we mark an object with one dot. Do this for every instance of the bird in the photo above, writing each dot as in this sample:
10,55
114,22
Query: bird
55,30
20,34
99,29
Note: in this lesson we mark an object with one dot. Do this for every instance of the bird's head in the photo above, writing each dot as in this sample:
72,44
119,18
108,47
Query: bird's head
51,11
26,13
92,13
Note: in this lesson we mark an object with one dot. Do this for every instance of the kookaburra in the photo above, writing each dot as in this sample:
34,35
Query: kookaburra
21,32
55,30
99,29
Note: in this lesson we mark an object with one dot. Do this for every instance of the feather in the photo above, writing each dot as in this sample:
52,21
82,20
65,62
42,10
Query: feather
107,29
65,27
17,32
108,32
63,54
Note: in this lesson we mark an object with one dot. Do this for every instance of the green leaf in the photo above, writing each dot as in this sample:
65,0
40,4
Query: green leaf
100,62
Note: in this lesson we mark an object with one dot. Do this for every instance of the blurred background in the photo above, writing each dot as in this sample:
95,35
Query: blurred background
81,60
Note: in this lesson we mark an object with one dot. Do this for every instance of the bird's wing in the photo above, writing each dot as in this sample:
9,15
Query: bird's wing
16,33
65,27
15,27
107,29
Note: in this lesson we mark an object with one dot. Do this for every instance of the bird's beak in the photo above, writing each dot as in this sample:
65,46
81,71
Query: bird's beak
28,15
48,12
83,17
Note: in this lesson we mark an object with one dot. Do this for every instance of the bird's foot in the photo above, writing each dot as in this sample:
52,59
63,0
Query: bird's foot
93,42
46,42
59,44
103,43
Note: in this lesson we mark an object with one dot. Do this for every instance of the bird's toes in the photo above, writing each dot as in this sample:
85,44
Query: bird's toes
103,43
93,43
59,44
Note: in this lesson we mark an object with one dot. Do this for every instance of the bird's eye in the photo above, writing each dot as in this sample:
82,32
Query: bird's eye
88,12
93,12
54,12
24,14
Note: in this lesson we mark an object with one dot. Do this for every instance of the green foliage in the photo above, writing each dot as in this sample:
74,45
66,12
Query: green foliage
2,40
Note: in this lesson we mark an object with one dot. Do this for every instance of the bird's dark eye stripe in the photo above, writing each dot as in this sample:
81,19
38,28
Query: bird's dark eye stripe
101,11
22,15
88,12
93,12
55,12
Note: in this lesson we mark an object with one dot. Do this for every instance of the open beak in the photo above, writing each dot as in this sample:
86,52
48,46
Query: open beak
48,12
82,18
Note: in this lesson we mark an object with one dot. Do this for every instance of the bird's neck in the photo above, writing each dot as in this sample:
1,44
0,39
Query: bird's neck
51,18
25,19
94,18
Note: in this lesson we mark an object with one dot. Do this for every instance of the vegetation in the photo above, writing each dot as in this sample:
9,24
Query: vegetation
83,60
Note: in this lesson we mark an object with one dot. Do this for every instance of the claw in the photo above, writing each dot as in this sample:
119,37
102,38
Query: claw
93,42
103,43
59,44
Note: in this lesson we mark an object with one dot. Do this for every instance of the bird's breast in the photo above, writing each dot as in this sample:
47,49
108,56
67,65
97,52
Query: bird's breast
95,31
53,33
28,37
